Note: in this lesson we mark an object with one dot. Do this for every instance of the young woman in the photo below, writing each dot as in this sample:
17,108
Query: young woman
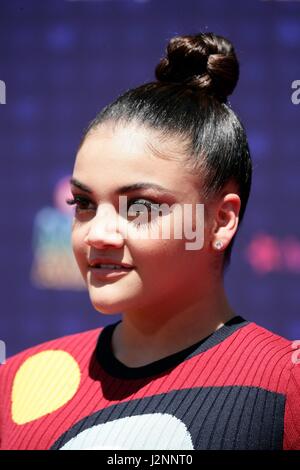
181,370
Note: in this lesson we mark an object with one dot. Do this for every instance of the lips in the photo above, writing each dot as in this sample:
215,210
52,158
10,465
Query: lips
97,262
105,274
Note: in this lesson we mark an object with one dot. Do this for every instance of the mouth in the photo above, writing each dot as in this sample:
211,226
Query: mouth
103,271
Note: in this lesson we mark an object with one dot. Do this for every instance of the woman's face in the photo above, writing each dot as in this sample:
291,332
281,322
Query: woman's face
164,271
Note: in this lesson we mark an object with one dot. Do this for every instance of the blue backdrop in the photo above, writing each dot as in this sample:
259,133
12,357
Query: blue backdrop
60,63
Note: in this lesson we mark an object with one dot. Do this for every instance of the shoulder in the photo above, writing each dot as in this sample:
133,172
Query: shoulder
275,352
259,357
292,409
269,364
60,351
262,342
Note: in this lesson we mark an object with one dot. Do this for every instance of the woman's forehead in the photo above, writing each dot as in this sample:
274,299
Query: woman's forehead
128,154
134,139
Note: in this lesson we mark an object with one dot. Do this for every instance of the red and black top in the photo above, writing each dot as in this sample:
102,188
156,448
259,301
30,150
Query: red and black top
238,388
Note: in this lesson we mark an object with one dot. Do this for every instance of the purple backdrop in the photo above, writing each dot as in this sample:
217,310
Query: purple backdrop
61,62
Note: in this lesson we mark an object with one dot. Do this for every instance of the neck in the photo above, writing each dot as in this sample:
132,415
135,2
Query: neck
147,335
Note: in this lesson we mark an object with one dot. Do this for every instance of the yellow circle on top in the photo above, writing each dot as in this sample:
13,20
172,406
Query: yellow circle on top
44,383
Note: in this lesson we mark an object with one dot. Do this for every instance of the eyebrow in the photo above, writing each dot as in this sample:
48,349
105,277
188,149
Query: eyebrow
124,189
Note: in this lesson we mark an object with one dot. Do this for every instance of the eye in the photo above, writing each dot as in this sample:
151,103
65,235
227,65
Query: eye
143,210
81,203
139,205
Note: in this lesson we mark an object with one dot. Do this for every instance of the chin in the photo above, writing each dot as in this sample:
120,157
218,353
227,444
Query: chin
107,306
106,311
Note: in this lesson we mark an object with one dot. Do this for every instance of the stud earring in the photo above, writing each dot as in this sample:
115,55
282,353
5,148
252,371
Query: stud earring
218,245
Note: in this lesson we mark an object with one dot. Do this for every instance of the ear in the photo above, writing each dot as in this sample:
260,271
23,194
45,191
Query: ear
226,219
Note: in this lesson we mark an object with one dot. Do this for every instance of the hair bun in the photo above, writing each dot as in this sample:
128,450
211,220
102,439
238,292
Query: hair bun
203,61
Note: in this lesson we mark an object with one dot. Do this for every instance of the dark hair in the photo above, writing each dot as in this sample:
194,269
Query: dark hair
189,100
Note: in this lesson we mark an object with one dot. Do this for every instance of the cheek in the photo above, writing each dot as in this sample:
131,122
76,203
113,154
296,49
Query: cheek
173,254
164,244
166,269
157,258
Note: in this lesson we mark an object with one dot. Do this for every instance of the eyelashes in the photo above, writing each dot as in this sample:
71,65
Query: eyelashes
78,201
139,204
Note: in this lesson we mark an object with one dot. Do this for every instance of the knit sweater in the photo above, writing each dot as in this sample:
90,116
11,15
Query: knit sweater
238,388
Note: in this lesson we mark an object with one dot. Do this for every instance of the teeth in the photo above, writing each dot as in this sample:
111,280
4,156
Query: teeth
109,266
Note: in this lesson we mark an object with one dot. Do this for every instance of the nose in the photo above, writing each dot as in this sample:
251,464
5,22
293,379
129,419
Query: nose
103,229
